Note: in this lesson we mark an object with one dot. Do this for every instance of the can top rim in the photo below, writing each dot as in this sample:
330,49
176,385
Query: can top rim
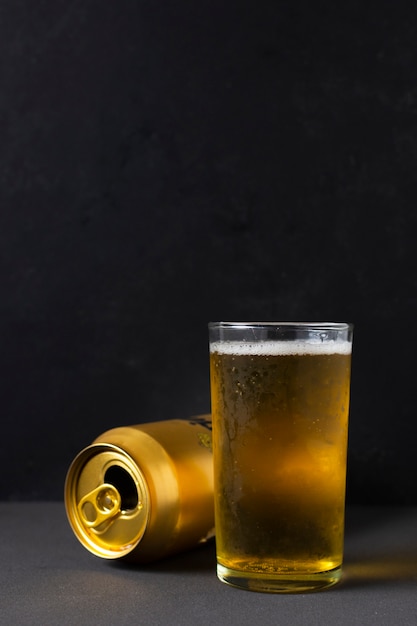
84,480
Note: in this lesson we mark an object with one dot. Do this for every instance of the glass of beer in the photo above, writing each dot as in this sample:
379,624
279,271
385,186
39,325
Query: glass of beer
280,403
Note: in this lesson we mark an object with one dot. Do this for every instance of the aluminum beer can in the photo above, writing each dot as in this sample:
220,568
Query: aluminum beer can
143,492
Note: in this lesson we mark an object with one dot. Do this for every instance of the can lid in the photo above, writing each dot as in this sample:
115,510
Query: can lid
107,500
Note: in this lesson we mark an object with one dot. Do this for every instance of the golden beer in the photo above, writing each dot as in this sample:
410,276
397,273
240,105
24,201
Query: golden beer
280,428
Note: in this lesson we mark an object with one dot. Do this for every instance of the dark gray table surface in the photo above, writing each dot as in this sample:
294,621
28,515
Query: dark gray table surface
47,577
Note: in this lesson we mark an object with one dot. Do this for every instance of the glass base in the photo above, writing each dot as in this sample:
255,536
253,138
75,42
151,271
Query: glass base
279,583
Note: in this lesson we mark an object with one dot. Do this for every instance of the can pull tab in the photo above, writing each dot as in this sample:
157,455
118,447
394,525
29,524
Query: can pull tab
99,506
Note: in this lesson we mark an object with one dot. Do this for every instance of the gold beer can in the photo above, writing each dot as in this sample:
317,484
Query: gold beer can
143,492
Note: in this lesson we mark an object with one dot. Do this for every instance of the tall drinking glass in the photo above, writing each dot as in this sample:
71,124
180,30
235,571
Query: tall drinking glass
280,402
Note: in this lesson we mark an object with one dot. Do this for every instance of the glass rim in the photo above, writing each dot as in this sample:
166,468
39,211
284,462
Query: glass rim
334,326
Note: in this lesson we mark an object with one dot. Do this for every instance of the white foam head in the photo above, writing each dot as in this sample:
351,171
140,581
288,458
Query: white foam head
280,348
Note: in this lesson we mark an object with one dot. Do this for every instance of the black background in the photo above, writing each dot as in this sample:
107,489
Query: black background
164,164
